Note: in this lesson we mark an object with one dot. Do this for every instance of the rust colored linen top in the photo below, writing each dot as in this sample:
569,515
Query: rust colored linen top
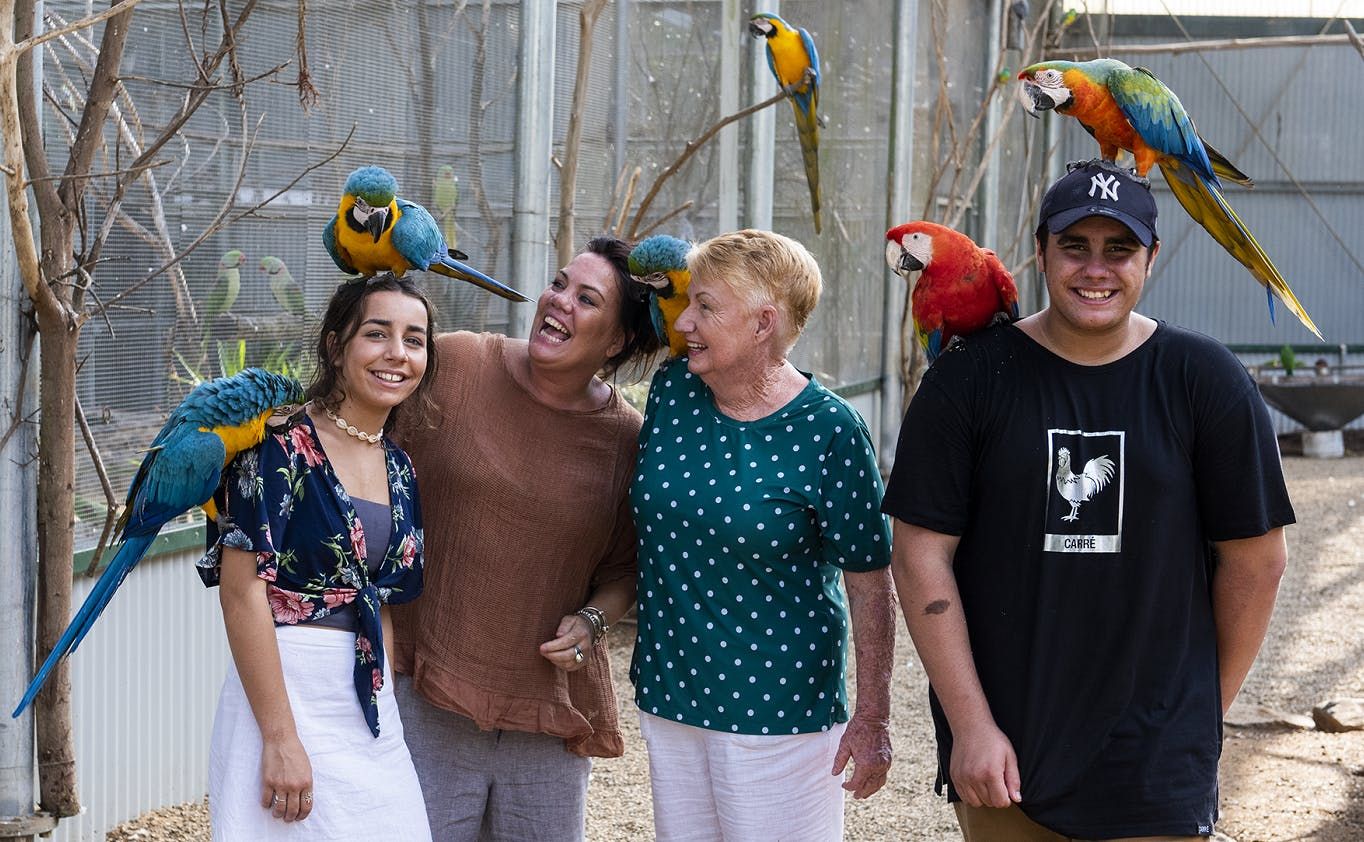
526,513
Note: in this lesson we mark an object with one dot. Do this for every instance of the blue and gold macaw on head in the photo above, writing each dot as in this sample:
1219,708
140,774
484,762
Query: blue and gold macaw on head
660,263
794,61
181,470
374,231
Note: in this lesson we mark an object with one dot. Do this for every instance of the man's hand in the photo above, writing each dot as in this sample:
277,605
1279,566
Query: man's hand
867,743
984,767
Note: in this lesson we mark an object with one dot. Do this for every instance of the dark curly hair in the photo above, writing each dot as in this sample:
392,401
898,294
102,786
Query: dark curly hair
642,342
339,326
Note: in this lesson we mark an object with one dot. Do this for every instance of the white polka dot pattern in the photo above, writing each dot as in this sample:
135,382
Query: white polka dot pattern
743,527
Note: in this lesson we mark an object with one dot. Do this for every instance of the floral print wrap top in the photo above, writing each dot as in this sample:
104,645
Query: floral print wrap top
282,501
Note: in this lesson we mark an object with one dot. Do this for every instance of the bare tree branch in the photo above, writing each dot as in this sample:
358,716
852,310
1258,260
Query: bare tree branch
76,26
112,501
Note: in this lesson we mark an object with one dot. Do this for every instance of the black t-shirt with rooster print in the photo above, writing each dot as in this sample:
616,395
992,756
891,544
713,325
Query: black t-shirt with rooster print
1086,498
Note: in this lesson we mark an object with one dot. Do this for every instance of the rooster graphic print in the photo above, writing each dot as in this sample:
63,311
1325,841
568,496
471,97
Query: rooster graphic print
1084,491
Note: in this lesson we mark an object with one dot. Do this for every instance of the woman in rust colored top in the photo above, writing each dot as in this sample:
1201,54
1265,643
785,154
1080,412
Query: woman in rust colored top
530,556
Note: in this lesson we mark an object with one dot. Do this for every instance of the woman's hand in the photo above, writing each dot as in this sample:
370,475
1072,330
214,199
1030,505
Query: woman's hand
286,777
572,646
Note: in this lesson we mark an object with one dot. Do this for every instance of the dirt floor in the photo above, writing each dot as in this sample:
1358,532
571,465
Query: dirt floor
1277,785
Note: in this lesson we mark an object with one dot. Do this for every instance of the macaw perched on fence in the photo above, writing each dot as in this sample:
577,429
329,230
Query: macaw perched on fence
445,197
660,262
374,231
226,288
288,294
182,469
962,288
794,61
1127,108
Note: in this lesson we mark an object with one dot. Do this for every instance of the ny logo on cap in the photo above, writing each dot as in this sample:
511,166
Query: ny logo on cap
1106,184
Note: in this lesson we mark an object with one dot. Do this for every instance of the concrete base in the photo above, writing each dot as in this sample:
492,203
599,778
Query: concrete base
1325,445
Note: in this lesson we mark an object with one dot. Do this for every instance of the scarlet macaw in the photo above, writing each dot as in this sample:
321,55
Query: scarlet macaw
288,294
1127,108
660,262
962,288
794,61
182,468
374,231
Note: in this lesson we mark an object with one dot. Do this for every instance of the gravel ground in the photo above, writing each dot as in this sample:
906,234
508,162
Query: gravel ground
1276,784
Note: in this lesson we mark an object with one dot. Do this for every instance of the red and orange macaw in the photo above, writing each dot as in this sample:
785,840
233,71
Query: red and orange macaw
1127,108
962,288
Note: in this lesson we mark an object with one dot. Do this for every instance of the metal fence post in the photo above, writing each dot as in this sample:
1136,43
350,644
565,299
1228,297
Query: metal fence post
534,122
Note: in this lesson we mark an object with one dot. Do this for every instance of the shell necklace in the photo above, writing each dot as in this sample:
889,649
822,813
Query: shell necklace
351,429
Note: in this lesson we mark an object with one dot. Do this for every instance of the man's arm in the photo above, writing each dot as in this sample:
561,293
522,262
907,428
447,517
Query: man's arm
1244,586
984,768
867,739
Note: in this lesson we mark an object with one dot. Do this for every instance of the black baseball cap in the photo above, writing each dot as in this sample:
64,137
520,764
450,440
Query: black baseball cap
1099,188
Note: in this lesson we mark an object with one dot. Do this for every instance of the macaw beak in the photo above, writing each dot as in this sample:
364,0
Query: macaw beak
908,263
1034,99
757,29
377,222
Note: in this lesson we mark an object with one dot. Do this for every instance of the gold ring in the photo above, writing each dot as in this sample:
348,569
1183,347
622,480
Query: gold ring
577,654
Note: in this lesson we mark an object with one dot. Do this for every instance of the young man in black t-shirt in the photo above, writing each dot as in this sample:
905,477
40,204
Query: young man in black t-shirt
1088,542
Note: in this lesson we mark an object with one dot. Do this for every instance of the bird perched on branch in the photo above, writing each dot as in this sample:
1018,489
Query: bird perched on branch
182,469
660,264
792,57
226,287
288,294
374,231
445,197
962,288
1129,108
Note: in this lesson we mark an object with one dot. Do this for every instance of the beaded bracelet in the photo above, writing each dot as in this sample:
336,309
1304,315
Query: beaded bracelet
596,618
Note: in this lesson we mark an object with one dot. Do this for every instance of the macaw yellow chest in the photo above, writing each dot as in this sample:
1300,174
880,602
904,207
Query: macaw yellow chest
239,437
361,250
789,57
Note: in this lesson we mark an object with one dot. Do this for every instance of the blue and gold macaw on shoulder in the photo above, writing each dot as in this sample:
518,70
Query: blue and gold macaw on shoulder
794,61
181,470
660,262
374,231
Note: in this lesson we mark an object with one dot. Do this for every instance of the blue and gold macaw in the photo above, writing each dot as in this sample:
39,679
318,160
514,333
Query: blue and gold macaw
1129,108
182,468
660,262
794,61
374,231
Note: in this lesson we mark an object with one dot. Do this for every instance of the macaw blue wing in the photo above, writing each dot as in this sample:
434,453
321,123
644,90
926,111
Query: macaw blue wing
175,477
934,344
656,316
416,235
812,53
771,63
329,241
1159,117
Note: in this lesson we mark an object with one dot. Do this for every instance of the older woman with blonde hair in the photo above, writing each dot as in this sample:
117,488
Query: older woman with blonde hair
756,492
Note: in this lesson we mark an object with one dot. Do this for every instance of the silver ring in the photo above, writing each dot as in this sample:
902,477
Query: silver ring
307,798
577,654
275,799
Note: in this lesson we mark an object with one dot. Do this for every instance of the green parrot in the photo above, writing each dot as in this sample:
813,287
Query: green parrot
288,294
445,195
225,289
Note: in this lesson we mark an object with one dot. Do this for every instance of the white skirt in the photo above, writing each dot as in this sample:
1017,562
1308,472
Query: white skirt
363,787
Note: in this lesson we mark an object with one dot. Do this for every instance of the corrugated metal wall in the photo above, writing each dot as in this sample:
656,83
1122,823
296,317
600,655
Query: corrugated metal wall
144,687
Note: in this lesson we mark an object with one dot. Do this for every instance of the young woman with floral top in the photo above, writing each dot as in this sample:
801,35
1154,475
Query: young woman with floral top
320,529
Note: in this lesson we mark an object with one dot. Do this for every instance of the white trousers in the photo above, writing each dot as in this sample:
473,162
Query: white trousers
713,785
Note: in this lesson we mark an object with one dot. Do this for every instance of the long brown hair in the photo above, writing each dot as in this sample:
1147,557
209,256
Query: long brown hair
342,322
641,340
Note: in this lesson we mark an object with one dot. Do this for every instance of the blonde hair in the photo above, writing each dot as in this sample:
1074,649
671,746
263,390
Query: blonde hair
763,267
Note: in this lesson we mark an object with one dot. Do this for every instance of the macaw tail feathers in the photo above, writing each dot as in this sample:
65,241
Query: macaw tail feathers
1225,169
1208,207
451,267
807,129
124,560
